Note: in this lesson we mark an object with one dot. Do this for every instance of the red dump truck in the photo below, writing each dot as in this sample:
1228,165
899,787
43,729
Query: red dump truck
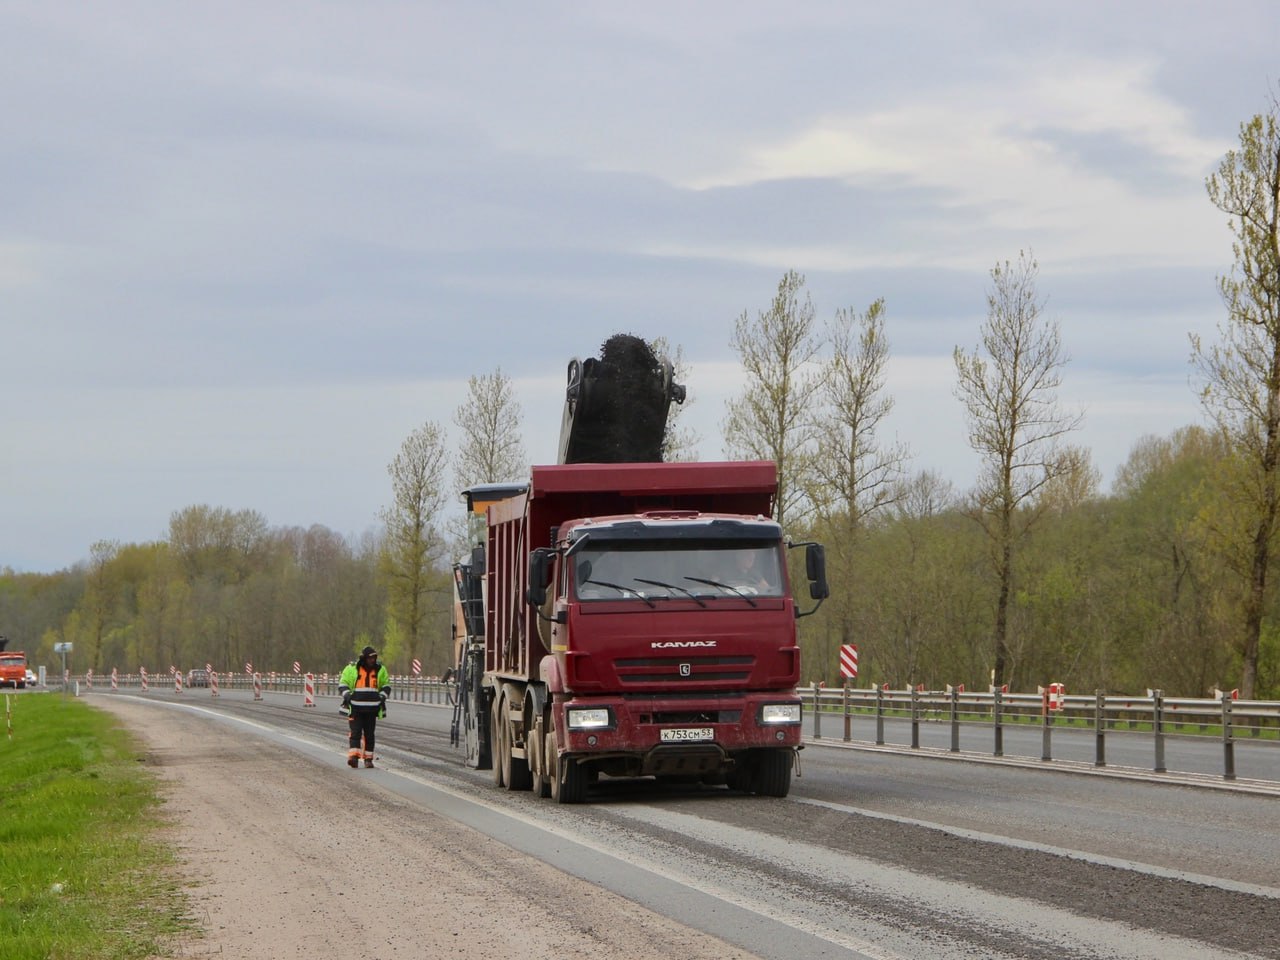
13,666
630,619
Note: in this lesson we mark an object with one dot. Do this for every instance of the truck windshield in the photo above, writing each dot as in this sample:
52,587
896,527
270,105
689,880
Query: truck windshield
657,570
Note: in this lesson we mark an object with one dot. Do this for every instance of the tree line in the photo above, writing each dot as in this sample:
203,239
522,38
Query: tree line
1028,577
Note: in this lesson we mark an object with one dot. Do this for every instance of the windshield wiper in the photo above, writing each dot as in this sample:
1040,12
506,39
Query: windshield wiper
671,586
621,589
723,586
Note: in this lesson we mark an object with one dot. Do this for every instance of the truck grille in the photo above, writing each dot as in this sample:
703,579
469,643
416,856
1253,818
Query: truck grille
668,669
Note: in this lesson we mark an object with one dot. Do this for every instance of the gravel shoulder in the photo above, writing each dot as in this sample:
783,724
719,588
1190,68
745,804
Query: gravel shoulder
287,858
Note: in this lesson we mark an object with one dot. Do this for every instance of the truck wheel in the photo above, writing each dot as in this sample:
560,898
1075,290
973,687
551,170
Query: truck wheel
498,743
539,769
773,773
515,770
569,780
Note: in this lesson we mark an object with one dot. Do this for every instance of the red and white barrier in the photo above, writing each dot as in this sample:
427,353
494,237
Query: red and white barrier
213,684
142,672
177,681
115,680
309,690
257,686
1057,695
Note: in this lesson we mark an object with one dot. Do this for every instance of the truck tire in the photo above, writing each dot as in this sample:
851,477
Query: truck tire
476,722
568,780
539,770
773,773
497,743
515,770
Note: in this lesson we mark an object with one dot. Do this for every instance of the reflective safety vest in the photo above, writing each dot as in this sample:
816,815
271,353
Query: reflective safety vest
368,686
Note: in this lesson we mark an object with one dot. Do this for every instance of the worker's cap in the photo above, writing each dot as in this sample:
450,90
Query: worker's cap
368,652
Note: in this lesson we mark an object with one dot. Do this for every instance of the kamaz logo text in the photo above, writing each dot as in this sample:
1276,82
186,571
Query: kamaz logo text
680,644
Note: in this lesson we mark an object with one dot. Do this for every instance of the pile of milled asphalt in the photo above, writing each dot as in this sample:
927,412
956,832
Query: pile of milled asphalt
623,413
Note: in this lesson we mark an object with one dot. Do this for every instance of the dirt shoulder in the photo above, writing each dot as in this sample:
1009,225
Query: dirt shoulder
286,858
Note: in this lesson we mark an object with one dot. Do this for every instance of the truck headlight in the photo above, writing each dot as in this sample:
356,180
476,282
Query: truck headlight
772,713
588,719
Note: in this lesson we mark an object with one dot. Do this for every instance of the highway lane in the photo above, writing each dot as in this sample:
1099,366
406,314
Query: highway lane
873,854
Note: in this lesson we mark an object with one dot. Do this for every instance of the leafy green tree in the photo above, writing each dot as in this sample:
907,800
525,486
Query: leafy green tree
1009,390
1163,587
413,541
1241,373
853,471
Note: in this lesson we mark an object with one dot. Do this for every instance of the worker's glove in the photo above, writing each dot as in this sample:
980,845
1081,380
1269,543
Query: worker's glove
346,701
345,709
384,707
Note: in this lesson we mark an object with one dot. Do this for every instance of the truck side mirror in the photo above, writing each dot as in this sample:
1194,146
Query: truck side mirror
539,569
815,565
815,569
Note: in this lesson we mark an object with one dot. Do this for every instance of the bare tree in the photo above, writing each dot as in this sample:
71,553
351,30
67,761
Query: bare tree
1009,390
853,473
99,597
771,420
491,450
1242,374
680,442
413,538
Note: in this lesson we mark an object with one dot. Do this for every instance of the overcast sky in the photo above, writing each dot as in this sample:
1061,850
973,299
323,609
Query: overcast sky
247,248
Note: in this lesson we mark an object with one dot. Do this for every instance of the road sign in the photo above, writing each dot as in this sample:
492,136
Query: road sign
297,667
849,660
62,647
417,667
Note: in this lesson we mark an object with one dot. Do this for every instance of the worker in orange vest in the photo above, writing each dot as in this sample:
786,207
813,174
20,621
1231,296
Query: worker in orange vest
364,686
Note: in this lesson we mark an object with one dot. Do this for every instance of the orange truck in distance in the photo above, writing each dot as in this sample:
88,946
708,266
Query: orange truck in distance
13,666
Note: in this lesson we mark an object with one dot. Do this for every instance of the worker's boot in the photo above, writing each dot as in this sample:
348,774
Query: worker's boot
353,760
368,761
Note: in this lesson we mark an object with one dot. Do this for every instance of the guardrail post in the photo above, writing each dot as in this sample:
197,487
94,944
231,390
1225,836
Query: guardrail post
1100,730
879,716
955,720
1157,727
1046,717
915,719
997,699
1228,742
817,712
848,718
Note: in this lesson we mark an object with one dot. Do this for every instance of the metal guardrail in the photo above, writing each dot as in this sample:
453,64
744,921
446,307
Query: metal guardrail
404,688
1225,718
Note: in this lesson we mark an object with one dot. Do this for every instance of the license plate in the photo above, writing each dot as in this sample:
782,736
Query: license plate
685,734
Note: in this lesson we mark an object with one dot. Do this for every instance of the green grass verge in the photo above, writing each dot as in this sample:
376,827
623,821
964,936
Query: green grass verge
83,875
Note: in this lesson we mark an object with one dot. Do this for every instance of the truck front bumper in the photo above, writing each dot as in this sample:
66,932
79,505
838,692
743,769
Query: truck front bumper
667,730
